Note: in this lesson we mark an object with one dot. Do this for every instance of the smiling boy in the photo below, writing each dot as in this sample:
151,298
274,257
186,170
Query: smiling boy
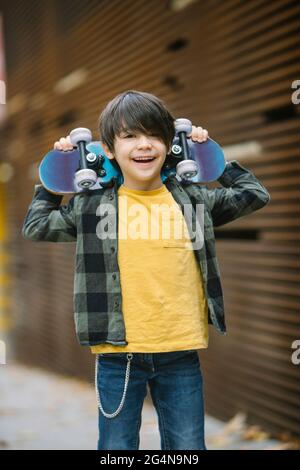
143,303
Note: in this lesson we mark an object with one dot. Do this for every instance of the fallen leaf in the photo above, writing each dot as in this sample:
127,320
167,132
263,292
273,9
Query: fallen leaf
4,444
255,433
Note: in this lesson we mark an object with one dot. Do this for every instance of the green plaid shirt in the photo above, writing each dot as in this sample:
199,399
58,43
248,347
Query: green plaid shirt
97,289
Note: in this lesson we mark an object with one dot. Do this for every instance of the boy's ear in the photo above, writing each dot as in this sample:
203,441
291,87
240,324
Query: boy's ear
107,151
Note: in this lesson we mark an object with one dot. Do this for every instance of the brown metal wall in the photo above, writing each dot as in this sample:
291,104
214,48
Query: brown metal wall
225,65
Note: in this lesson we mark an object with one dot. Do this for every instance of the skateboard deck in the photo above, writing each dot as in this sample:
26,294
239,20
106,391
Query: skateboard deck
57,169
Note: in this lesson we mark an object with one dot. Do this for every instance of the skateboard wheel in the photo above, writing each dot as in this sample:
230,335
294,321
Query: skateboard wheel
187,169
183,125
85,178
80,134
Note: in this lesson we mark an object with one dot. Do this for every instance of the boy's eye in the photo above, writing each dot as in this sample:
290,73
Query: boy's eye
128,136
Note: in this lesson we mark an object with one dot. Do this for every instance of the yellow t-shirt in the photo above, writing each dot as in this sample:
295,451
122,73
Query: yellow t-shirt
163,298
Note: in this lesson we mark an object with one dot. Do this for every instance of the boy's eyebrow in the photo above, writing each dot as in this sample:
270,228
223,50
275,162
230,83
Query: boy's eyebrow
127,131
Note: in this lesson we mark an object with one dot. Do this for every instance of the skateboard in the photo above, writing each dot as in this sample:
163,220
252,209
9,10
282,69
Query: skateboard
86,167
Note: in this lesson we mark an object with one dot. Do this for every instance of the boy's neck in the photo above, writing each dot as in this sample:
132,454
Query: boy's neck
143,185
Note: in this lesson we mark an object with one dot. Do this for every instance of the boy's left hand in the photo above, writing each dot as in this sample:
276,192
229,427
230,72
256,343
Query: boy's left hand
198,134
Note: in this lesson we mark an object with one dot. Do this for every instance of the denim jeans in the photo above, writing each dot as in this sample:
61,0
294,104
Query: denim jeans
176,388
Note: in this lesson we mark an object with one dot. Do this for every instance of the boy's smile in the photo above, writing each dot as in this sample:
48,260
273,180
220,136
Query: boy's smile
140,157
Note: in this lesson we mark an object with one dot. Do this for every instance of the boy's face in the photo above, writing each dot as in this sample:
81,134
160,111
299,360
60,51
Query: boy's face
139,175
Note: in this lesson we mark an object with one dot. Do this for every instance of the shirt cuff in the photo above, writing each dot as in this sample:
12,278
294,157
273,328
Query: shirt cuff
41,193
232,170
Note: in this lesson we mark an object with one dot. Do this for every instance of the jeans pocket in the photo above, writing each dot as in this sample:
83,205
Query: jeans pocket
112,354
185,352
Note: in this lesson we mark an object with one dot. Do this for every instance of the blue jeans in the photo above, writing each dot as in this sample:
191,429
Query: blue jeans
176,387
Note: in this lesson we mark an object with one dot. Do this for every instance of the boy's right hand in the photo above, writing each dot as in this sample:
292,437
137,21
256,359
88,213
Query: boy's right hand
64,143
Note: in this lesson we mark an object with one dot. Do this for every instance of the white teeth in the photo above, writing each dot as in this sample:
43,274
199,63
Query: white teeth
143,159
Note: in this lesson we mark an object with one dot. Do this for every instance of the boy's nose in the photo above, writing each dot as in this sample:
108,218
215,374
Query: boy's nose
144,141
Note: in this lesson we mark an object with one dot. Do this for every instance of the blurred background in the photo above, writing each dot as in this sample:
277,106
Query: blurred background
232,67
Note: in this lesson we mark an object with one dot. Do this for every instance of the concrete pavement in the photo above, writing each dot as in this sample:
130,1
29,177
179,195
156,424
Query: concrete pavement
41,410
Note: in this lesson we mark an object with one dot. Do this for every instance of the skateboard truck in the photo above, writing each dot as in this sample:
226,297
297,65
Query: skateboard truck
85,177
186,168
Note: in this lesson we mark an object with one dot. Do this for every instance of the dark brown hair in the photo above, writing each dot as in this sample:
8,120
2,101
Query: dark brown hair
136,111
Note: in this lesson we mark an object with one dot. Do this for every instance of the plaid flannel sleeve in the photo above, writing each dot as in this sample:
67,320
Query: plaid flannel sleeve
242,194
47,221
